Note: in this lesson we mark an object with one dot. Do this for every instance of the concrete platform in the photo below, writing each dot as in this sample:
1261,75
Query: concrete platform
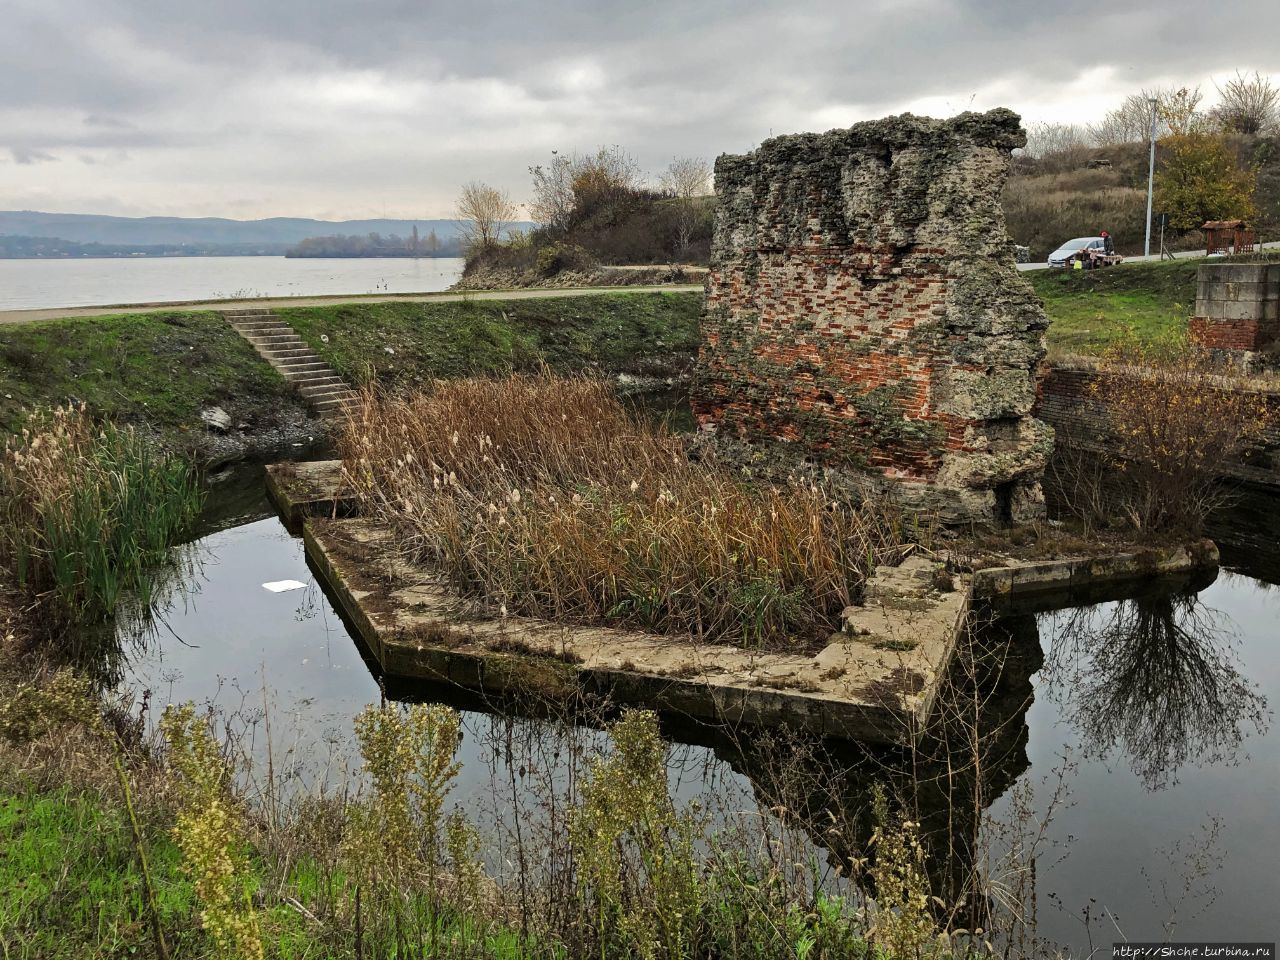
876,682
307,489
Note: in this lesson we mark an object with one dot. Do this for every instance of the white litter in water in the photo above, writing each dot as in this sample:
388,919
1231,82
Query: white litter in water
280,586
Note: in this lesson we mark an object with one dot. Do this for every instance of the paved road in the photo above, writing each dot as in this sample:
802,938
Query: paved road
57,313
1180,255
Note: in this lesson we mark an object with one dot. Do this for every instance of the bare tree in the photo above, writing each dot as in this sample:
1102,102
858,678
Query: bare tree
1176,112
686,179
483,213
1248,105
1055,139
552,204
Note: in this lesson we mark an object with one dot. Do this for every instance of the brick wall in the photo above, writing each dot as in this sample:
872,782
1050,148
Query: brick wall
863,305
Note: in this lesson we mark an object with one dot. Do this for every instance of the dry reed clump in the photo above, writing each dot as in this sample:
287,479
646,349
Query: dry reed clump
547,498
86,511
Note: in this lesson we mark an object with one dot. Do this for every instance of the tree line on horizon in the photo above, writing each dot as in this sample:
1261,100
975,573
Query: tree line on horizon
377,245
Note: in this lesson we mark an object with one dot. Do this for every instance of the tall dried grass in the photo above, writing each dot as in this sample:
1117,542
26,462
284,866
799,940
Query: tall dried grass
547,498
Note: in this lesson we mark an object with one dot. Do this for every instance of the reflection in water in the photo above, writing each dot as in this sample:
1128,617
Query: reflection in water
1156,677
101,652
1124,676
972,753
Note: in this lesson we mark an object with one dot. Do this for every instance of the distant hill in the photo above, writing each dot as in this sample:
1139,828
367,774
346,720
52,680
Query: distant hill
212,234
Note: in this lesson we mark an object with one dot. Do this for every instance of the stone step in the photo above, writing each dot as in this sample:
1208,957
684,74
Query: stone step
261,329
277,340
317,381
325,383
330,392
331,408
278,343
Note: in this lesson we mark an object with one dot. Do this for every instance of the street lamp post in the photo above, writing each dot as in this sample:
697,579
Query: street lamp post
1151,179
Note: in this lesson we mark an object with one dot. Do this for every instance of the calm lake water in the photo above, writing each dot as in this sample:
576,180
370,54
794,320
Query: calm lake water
36,284
1156,711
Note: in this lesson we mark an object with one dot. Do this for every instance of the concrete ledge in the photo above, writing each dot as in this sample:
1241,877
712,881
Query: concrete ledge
1059,579
307,489
876,683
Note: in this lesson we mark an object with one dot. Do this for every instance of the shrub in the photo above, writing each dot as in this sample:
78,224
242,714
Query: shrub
548,498
638,878
1173,420
561,257
86,512
409,759
210,830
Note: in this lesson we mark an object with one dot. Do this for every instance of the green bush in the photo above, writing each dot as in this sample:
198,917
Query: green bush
86,512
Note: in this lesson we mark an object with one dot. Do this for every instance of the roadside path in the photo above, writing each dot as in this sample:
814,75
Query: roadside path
1180,255
271,303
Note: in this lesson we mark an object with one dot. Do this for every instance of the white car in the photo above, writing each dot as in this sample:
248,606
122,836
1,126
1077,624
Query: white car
1067,252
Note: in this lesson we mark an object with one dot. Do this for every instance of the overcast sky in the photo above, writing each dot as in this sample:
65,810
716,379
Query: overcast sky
252,108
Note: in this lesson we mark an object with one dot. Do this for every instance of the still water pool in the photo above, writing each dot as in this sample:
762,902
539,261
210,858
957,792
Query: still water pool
1153,713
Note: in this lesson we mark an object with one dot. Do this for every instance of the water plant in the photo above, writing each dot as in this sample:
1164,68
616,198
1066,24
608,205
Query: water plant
87,510
547,497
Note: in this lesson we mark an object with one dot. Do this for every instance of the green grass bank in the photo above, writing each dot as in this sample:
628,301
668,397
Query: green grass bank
159,370
404,343
1091,309
155,370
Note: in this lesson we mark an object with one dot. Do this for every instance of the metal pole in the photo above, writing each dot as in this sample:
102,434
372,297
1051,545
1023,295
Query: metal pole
1151,180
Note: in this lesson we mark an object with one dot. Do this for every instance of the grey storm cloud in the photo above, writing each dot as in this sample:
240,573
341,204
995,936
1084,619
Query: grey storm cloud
346,109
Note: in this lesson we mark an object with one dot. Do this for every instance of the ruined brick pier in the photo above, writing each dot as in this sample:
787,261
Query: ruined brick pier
863,306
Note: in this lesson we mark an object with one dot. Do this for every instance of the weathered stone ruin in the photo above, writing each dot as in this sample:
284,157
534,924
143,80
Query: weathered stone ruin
863,306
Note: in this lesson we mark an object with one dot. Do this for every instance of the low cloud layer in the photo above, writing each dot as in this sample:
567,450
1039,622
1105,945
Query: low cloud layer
336,110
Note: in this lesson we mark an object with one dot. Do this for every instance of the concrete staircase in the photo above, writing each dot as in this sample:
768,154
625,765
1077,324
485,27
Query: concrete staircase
319,384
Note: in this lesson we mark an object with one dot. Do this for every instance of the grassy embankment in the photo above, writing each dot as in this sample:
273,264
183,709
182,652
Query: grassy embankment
1090,310
158,370
155,370
405,343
